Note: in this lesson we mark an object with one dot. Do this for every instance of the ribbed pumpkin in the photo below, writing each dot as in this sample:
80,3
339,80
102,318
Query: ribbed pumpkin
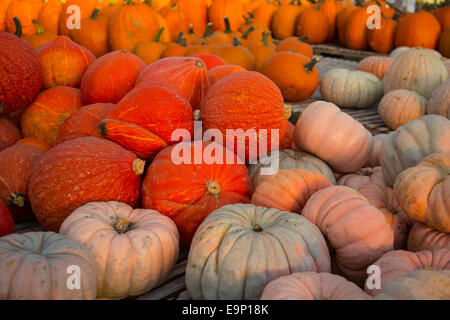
26,11
243,101
288,189
38,143
357,179
113,232
151,51
176,20
6,220
226,8
424,191
358,232
420,29
222,71
265,12
237,54
398,263
17,163
49,15
40,38
9,132
423,238
297,45
84,122
67,16
100,170
330,8
144,120
285,19
382,39
210,60
376,65
37,266
94,88
374,159
176,49
63,62
351,89
188,191
188,74
409,144
399,50
356,31
440,100
44,117
314,24
20,75
196,12
333,136
312,286
274,243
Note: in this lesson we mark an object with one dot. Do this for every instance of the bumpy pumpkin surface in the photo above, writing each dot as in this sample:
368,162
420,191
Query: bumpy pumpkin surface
313,286
36,266
376,65
79,171
113,232
9,132
359,178
374,159
240,248
440,100
34,142
423,238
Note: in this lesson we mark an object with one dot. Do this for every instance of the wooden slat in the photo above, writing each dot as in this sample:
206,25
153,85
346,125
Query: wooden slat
337,51
166,290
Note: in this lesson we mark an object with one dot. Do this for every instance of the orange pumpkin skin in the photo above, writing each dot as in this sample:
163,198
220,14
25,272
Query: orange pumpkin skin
84,122
26,11
358,232
382,40
443,16
226,8
341,22
330,8
262,53
188,192
143,121
296,45
63,62
211,60
9,132
176,20
363,176
285,19
40,38
38,143
238,55
44,117
288,189
265,13
188,74
314,24
109,10
86,8
424,191
3,7
288,140
376,65
420,29
444,43
196,12
423,238
17,163
49,16
245,100
219,72
294,74
94,89
356,31
100,170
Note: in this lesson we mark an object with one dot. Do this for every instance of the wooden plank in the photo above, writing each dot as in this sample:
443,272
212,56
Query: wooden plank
338,51
166,290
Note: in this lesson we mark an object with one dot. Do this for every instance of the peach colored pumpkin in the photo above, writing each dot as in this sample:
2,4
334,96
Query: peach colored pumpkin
313,286
358,178
376,65
35,266
423,238
398,263
398,107
409,144
382,198
357,231
374,159
333,136
423,191
113,232
288,189
240,248
440,100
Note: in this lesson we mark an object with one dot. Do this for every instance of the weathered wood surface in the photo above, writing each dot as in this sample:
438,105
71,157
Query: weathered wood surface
345,53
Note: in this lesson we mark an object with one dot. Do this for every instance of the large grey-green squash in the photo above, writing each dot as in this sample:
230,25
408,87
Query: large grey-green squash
240,248
409,144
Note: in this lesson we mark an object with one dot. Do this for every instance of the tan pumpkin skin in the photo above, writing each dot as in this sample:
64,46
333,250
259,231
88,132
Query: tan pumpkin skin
374,159
359,178
424,191
351,89
398,263
33,266
313,286
409,144
272,243
440,100
333,136
423,238
357,231
376,65
418,285
398,107
399,50
416,70
114,232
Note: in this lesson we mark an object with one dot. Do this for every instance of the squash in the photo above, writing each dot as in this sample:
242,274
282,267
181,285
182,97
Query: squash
312,286
240,248
409,144
49,15
358,232
376,65
44,117
313,24
84,122
188,192
113,232
196,12
443,16
6,221
288,189
416,70
356,31
341,22
330,8
63,62
237,54
40,144
357,179
423,191
262,52
85,6
444,43
20,75
265,12
285,19
100,170
38,266
225,8
297,45
176,20
382,40
25,11
219,72
399,50
351,89
333,136
210,60
398,263
420,29
440,100
423,238
176,49
188,74
40,38
151,51
9,132
374,159
94,89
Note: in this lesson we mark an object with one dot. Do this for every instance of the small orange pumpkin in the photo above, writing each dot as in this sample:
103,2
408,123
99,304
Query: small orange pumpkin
356,31
377,65
341,22
49,15
296,45
176,20
40,38
237,54
151,51
26,11
219,72
226,8
382,39
285,19
176,49
314,24
420,29
85,6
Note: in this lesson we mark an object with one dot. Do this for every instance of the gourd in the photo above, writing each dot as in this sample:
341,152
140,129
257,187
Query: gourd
410,31
374,159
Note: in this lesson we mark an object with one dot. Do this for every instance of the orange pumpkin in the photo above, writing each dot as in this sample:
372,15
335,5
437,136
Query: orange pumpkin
110,9
196,13
265,12
34,142
176,20
44,117
49,15
420,29
3,7
443,16
236,54
382,40
151,51
341,22
296,45
330,9
226,8
285,19
219,72
9,132
26,11
356,31
40,38
444,43
68,16
262,52
211,60
313,24
176,49
377,65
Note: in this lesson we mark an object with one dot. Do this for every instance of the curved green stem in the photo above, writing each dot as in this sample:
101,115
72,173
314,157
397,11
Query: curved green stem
38,26
157,37
18,32
310,65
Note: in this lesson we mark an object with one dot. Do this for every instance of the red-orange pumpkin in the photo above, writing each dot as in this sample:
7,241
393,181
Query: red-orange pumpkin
9,132
34,142
222,71
6,220
210,60
377,65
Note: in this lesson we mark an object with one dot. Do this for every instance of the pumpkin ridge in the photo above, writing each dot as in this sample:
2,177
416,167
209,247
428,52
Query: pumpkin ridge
104,130
252,235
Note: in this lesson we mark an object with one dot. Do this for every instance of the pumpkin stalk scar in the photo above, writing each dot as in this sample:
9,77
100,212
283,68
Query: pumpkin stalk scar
123,225
213,188
310,65
18,199
138,166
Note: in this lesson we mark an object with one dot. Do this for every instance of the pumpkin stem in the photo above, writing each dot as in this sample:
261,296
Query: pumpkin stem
278,2
157,37
213,188
208,31
191,29
130,2
38,26
247,32
18,32
122,225
94,14
199,63
303,39
174,6
257,228
18,199
287,111
247,20
265,37
227,26
197,115
138,166
181,40
310,65
236,42
396,16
